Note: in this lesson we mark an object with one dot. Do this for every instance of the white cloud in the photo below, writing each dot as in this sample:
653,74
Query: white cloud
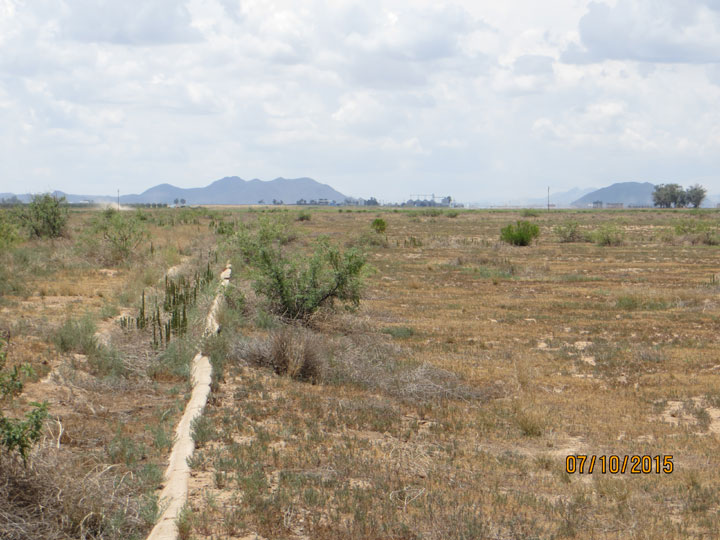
663,31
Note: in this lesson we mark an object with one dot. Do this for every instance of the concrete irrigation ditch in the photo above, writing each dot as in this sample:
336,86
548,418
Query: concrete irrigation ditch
174,493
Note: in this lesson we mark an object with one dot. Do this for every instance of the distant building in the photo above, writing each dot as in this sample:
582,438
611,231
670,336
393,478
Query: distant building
597,204
614,205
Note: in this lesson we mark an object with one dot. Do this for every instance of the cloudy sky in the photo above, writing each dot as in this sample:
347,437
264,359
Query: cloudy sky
478,100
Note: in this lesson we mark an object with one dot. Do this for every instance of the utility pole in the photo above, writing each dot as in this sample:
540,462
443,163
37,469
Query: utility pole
548,198
118,200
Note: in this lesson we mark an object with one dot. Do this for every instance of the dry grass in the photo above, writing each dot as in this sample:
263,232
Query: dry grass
446,406
517,357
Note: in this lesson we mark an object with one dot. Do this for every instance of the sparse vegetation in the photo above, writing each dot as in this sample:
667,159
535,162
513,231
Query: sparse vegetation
467,361
608,235
568,231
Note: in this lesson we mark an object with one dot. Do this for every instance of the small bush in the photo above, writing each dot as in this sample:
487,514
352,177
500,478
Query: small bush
529,212
8,232
452,213
296,285
427,212
520,234
21,435
399,331
608,235
303,216
121,234
378,225
202,430
568,231
76,335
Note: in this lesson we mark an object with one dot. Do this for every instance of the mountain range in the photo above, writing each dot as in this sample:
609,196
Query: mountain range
228,190
628,193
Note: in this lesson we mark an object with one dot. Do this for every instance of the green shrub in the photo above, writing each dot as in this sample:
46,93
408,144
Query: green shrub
20,435
8,232
452,213
568,231
296,284
76,335
378,225
202,430
608,235
45,216
303,216
16,434
429,212
11,380
297,287
121,233
520,234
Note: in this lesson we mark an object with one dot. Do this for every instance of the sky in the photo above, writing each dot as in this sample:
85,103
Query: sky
482,101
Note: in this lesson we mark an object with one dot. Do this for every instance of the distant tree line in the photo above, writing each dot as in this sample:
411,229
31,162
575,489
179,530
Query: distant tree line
674,196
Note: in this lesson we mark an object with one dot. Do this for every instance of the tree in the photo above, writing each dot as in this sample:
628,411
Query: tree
669,196
182,201
176,201
45,216
695,195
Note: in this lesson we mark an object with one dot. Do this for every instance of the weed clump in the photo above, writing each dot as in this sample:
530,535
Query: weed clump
608,235
568,231
378,225
520,234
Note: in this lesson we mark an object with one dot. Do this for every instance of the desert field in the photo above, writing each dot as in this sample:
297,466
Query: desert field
452,393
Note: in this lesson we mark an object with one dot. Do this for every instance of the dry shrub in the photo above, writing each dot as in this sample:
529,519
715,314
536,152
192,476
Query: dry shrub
58,496
290,350
372,363
363,359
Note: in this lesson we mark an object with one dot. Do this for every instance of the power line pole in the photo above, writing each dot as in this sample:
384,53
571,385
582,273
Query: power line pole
548,198
118,200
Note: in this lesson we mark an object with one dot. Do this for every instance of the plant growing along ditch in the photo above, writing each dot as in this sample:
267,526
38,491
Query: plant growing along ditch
180,294
297,284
